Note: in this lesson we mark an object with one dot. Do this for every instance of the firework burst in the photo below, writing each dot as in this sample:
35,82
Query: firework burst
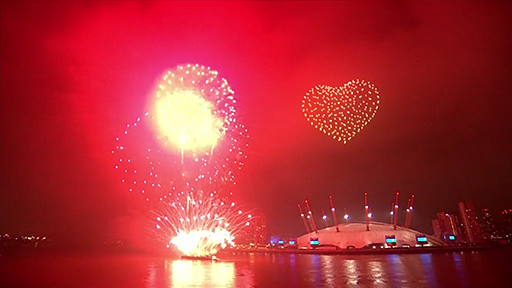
198,225
190,140
185,154
341,112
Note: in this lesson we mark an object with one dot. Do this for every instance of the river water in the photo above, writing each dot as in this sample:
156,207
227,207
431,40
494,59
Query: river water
490,268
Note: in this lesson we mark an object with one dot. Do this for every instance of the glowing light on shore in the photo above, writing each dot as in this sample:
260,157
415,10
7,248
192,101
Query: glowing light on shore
341,112
202,242
199,226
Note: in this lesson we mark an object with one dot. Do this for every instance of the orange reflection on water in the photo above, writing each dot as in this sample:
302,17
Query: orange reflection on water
351,271
377,271
186,273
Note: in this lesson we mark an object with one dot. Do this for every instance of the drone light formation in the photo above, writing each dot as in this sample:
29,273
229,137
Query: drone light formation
341,112
167,156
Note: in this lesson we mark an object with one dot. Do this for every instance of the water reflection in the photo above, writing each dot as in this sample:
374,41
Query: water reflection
329,266
153,277
316,270
351,271
186,273
459,268
278,270
377,271
482,269
398,268
428,269
293,270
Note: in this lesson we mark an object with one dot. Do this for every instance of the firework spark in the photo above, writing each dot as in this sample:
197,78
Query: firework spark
198,225
341,112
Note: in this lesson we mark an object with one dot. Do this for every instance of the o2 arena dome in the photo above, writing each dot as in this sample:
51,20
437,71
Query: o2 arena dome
354,235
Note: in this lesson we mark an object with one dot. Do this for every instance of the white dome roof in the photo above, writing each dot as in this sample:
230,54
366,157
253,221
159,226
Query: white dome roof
355,234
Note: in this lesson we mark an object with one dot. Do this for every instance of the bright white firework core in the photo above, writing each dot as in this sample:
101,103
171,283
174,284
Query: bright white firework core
202,242
186,120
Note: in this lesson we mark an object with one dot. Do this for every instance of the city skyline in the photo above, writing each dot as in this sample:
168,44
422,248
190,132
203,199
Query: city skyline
74,74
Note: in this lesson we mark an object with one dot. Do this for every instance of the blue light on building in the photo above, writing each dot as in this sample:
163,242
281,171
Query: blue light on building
421,239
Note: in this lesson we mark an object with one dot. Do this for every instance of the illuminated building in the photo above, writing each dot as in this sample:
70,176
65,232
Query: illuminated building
421,240
437,228
504,228
11,241
507,215
503,231
254,234
450,225
260,230
488,225
355,235
471,227
391,240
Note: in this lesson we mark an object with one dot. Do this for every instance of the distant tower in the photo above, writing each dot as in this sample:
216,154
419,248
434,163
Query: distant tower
408,218
505,227
392,213
467,213
325,218
303,218
260,230
396,210
334,215
366,211
407,212
507,215
438,232
256,233
449,225
310,216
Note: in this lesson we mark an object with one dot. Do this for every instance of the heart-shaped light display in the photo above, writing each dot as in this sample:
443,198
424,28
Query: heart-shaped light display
341,112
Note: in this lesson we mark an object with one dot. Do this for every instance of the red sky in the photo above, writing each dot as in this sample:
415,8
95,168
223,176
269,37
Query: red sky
73,74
